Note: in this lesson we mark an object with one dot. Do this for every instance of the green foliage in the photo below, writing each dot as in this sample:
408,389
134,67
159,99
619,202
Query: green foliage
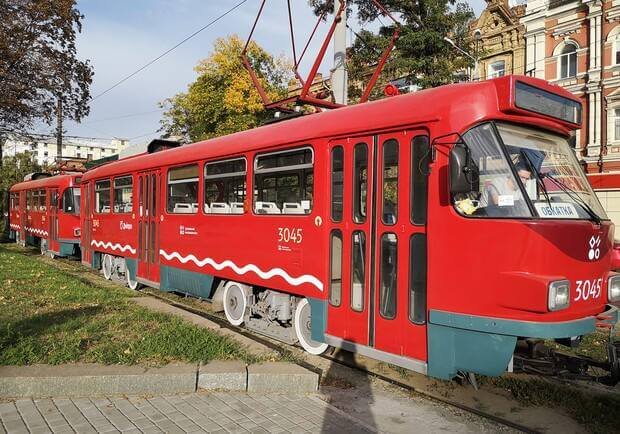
39,64
50,316
422,57
14,168
223,99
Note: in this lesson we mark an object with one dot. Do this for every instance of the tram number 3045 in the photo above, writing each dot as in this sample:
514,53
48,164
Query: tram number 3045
588,289
290,235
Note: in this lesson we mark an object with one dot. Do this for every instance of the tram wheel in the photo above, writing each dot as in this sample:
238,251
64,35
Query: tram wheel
235,302
303,329
131,283
43,246
106,266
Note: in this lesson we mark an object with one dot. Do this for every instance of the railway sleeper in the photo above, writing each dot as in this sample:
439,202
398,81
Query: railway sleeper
281,316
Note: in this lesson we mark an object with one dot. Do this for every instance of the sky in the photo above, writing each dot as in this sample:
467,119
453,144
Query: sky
120,36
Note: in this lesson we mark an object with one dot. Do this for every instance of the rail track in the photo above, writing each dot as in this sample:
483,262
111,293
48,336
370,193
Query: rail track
284,349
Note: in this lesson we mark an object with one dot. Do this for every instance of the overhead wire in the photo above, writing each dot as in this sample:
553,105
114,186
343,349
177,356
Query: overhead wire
149,63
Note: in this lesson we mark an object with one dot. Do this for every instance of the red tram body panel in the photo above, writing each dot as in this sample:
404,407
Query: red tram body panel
45,212
430,230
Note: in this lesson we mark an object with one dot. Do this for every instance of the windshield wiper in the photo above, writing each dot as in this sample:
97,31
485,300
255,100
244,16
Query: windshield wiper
538,176
575,196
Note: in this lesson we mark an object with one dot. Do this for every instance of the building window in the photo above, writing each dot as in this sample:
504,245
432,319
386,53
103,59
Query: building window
617,124
497,69
568,61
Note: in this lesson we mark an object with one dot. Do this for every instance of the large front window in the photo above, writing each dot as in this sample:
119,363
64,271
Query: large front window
526,173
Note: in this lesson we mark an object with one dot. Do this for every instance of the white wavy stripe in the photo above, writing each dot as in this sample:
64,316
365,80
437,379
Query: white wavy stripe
295,281
108,245
14,226
35,231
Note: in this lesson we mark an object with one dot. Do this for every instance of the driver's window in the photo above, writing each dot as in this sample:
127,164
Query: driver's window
498,194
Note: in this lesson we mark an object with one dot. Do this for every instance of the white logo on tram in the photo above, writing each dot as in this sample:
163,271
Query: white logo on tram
595,251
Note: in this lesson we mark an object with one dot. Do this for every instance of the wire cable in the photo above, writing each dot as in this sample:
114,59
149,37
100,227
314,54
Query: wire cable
142,68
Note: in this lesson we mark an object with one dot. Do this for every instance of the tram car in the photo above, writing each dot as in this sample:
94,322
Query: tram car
434,230
44,211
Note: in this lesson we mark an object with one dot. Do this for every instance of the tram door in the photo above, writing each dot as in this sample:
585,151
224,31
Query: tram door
53,223
149,210
400,268
85,246
377,273
349,306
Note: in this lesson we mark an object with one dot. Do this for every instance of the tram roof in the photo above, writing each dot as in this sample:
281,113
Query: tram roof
63,179
459,105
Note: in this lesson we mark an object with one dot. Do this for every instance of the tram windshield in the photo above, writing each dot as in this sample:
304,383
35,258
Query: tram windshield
527,173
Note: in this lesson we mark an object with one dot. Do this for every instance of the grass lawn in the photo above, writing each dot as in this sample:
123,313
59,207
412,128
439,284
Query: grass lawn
49,316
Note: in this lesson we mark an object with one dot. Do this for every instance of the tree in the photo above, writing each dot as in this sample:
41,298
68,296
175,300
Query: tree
422,57
39,65
14,169
223,99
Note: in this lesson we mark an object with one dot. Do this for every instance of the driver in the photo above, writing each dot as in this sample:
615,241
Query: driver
502,191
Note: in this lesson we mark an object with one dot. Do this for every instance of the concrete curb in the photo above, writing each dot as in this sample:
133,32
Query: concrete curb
89,380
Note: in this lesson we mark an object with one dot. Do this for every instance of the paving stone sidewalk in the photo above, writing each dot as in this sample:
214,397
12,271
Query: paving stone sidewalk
188,413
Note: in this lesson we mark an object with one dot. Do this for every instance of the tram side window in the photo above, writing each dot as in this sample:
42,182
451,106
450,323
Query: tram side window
337,182
102,196
360,181
14,201
388,276
71,200
284,182
123,194
358,270
40,202
420,157
335,269
29,200
417,278
390,182
183,190
225,186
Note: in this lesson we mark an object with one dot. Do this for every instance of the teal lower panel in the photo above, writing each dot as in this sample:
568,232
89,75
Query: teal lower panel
132,267
96,260
67,249
187,282
318,319
451,350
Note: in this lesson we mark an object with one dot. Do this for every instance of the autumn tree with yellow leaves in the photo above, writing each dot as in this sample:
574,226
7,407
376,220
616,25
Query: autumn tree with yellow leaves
223,99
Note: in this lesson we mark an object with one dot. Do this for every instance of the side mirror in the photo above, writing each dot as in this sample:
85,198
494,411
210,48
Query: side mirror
464,174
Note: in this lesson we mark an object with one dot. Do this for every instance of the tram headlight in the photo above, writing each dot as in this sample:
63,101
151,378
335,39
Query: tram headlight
613,288
558,295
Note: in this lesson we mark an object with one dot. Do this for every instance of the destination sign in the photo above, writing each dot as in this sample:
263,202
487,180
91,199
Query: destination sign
547,103
557,210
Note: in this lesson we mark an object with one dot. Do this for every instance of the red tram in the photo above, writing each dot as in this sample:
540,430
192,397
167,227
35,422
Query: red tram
430,230
45,212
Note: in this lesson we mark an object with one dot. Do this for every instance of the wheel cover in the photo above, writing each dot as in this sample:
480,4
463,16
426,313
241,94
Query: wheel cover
132,284
303,329
107,266
235,304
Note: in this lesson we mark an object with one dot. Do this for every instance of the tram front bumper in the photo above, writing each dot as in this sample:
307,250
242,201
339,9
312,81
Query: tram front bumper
485,345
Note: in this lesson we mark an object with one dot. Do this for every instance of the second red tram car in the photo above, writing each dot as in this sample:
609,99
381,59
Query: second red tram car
429,230
45,211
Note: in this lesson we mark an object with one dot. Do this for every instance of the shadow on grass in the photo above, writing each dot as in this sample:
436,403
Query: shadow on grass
37,326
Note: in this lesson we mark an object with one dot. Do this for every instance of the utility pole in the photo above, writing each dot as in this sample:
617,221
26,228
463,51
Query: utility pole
339,71
59,128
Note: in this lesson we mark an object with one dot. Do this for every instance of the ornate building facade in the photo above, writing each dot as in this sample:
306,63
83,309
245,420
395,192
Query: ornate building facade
576,44
498,38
